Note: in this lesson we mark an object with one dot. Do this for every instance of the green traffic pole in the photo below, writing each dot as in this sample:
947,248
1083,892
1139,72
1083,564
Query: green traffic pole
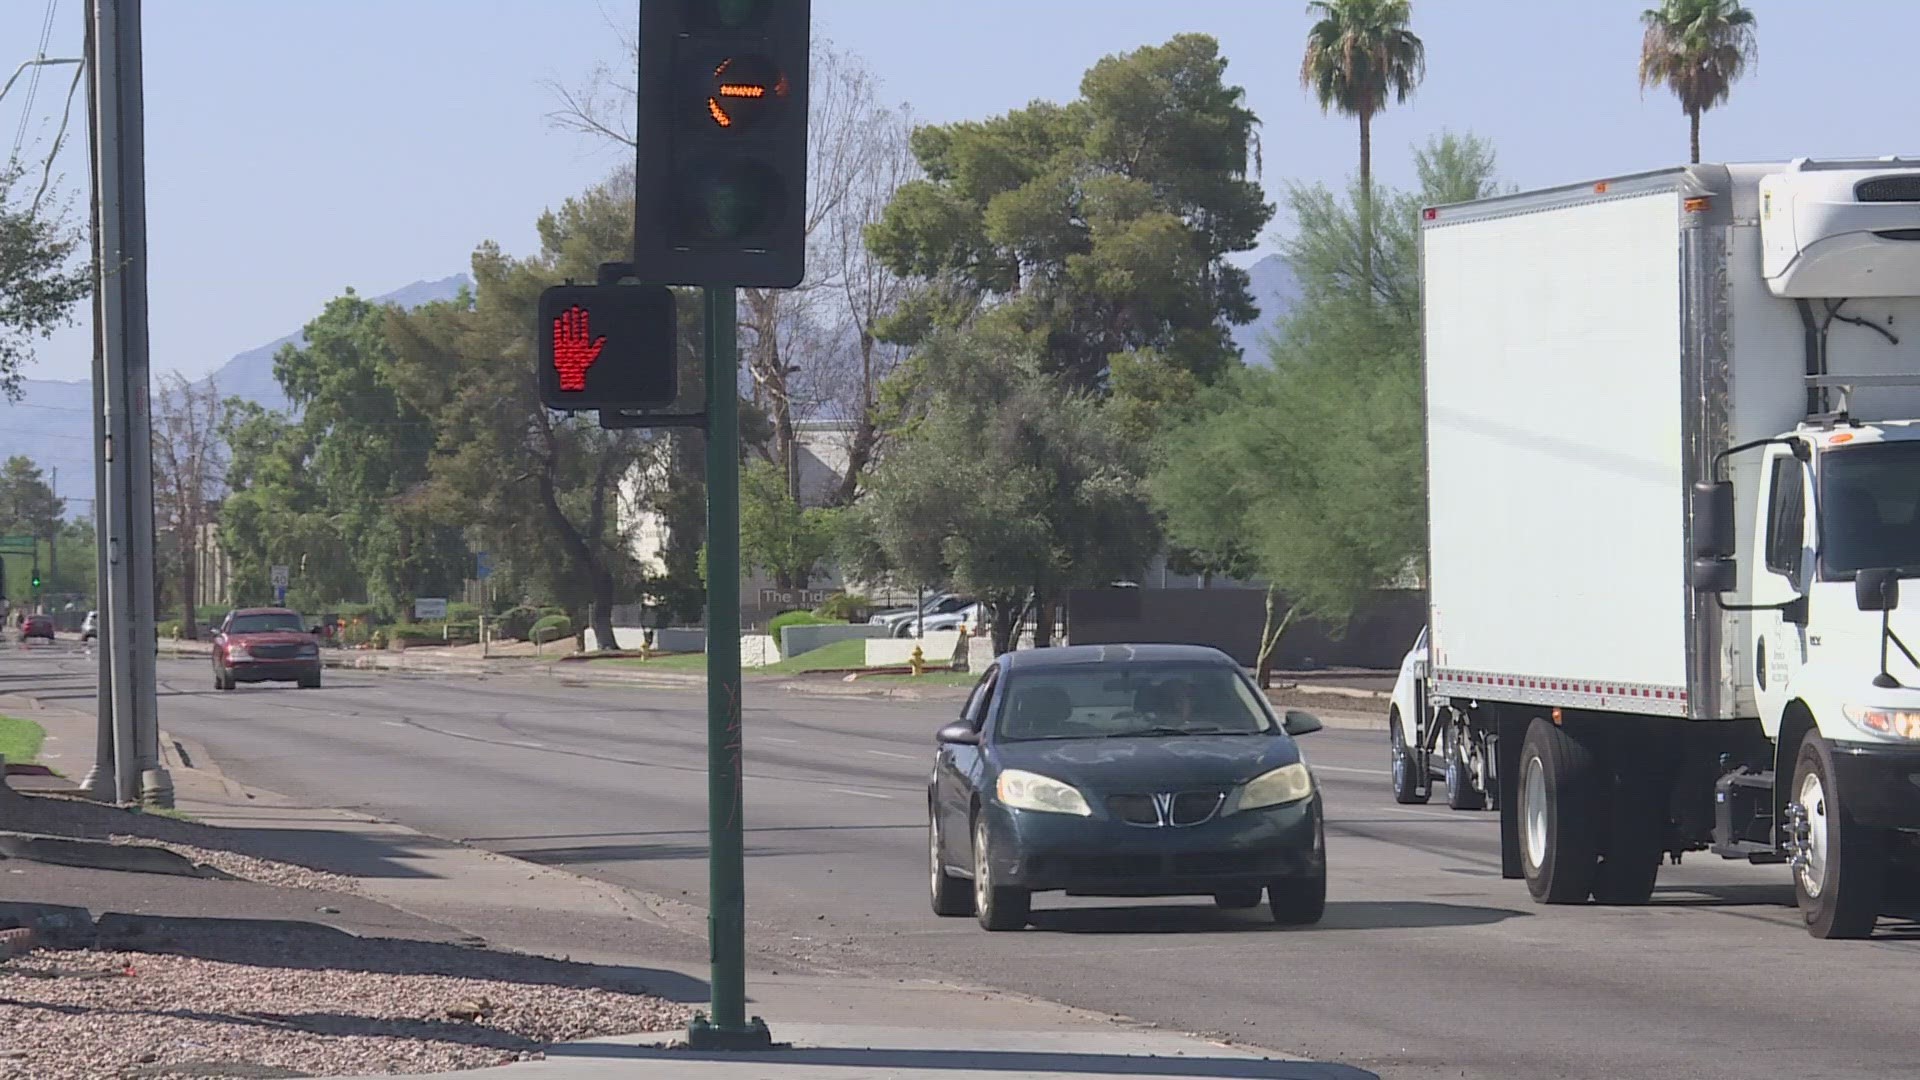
726,900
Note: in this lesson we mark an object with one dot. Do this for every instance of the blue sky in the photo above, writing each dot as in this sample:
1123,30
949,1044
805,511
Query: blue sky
300,146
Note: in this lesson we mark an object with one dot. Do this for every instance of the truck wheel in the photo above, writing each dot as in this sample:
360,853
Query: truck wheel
1634,842
1557,788
1840,868
1410,784
1461,792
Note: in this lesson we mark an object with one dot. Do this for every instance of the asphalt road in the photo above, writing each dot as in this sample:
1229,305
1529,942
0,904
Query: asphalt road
1428,964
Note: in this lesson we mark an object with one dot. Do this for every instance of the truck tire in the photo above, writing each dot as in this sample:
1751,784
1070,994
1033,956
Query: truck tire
1840,887
1635,839
1558,784
1461,792
1410,783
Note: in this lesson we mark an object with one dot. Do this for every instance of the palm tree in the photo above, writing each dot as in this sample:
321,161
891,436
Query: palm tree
1698,49
1359,53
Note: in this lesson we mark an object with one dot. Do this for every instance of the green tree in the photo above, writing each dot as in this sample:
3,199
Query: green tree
1698,49
543,491
369,458
1313,468
1099,227
28,506
1011,485
777,535
39,280
1359,54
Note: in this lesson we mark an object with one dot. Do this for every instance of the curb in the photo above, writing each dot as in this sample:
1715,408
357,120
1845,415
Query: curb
102,855
18,942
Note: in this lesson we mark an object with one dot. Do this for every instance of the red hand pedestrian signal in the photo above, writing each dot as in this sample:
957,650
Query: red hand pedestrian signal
633,325
574,347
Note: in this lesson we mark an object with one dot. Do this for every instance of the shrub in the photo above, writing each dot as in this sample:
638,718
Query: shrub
551,628
794,618
463,612
517,623
845,607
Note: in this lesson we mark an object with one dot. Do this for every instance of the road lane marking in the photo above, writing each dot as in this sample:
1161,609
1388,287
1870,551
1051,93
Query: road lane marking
891,754
1347,769
862,794
393,723
775,738
530,743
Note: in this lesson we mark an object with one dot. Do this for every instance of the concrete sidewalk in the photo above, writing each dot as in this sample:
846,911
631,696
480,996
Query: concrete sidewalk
867,1052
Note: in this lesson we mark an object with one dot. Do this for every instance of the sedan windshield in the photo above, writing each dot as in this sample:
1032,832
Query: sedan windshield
1109,700
268,623
1870,509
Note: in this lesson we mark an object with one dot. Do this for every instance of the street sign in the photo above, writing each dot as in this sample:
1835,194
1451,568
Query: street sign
430,607
279,577
17,545
608,347
720,178
482,566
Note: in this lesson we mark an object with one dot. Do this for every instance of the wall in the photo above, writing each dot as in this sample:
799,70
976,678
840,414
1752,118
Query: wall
795,640
1231,619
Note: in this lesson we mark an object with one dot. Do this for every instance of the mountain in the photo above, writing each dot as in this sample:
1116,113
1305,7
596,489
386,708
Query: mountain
52,423
1275,291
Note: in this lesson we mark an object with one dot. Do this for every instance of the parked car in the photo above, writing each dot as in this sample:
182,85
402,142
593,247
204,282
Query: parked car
1142,770
904,624
973,615
90,627
37,626
265,645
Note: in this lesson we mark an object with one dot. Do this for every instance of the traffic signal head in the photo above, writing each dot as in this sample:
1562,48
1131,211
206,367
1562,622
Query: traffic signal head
720,193
36,579
607,347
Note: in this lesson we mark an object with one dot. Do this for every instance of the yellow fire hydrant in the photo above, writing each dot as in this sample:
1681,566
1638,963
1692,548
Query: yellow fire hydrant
918,661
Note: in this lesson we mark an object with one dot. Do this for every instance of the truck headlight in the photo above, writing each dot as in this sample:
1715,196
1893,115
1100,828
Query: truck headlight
238,652
1893,723
1288,783
1023,790
309,650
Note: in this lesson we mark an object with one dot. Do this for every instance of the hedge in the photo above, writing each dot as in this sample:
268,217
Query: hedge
551,628
794,618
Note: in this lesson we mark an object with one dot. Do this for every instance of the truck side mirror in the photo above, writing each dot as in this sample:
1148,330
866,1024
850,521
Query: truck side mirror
1710,504
1877,590
1713,575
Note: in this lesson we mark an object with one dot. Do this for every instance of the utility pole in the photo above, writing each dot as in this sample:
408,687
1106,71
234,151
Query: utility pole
126,447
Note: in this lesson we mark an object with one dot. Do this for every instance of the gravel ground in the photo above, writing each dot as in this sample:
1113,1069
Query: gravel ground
248,868
90,1015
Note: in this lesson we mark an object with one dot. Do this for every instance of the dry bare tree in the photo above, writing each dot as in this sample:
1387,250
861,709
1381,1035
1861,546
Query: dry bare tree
189,465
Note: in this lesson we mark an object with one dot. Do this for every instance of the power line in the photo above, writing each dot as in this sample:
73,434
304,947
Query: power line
33,81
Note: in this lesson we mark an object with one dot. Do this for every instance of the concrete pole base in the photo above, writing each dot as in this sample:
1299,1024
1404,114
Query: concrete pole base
98,783
156,788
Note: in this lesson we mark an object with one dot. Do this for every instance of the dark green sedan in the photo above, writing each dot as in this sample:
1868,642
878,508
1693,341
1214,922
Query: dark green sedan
1123,771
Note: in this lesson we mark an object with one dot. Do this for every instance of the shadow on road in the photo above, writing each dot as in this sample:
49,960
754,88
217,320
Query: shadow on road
1351,915
1729,895
878,1061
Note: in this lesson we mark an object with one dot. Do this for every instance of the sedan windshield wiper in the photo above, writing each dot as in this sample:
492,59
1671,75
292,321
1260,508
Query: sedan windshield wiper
1158,731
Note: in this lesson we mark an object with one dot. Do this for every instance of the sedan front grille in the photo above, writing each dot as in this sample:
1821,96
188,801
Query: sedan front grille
1135,809
1179,809
1194,807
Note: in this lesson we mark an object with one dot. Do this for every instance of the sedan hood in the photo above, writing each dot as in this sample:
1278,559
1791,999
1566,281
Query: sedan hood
1150,763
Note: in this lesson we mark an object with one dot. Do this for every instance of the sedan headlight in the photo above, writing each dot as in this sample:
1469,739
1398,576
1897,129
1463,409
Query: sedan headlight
1892,723
1288,783
1023,790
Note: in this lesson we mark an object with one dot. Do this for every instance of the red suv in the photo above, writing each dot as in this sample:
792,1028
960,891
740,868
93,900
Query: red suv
265,645
37,626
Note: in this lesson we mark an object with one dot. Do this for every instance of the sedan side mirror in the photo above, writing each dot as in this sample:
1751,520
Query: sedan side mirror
961,734
1301,722
1877,590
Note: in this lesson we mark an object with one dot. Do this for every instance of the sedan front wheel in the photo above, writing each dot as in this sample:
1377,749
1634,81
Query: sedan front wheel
999,907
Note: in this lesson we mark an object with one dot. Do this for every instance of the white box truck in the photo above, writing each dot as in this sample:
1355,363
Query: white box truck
1674,489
